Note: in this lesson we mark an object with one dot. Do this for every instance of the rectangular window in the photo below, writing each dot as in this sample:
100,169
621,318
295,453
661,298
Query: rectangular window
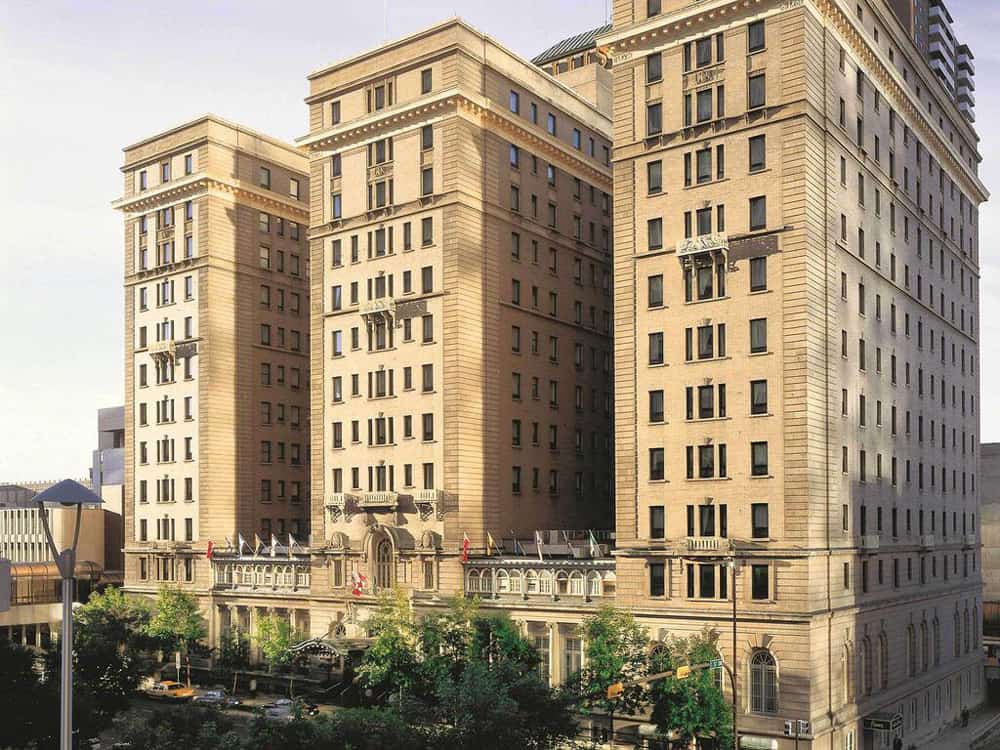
758,459
760,584
758,274
657,525
758,213
759,523
426,80
654,67
755,36
755,91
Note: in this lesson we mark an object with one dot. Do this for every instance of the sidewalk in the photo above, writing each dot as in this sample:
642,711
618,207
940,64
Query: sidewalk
984,721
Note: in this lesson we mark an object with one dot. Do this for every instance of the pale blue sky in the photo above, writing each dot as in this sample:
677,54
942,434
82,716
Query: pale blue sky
81,79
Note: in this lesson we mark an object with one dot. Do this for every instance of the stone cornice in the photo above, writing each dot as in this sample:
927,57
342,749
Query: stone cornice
890,82
199,184
385,122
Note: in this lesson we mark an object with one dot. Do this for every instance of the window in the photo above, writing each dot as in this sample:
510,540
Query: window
337,206
264,178
758,397
654,177
654,118
758,459
656,464
654,228
550,124
755,91
427,137
655,290
758,153
427,181
656,406
759,526
763,683
334,112
760,582
293,188
758,335
657,525
425,81
654,67
514,102
656,348
758,213
755,36
657,579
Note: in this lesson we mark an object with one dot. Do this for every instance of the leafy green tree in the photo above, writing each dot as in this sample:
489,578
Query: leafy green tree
695,707
177,623
179,726
234,656
617,649
393,661
22,698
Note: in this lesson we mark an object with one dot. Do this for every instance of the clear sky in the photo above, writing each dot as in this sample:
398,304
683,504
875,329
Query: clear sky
82,79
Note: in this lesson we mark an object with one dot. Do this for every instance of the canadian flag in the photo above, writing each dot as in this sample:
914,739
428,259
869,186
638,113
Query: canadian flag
208,552
359,583
465,548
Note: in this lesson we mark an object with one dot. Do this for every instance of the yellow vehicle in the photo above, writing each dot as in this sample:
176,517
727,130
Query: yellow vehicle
170,691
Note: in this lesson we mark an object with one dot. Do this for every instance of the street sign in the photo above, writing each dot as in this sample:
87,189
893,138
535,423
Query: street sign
683,672
715,664
5,585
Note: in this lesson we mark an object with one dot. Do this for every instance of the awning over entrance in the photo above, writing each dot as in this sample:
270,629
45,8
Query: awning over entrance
331,646
884,721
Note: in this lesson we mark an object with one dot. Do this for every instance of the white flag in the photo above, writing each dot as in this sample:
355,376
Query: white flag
538,544
242,543
274,545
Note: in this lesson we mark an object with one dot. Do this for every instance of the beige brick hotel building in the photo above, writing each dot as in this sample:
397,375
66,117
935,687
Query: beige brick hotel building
216,347
796,353
793,298
461,342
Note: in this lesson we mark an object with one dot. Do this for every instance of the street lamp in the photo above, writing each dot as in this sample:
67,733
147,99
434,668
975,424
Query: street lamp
67,494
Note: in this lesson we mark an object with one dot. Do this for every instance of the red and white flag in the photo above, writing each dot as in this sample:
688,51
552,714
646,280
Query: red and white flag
208,552
465,548
359,583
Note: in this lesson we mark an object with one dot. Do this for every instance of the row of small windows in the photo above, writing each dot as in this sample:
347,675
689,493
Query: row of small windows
382,478
551,127
382,431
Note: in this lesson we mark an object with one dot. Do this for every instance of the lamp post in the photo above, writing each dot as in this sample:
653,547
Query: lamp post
67,494
733,565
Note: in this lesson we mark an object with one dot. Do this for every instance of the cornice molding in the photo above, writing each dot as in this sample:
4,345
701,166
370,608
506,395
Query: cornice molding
197,185
389,121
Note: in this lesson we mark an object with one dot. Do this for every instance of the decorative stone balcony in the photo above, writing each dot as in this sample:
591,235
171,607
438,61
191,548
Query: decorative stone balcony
163,349
378,500
707,544
705,243
378,307
429,503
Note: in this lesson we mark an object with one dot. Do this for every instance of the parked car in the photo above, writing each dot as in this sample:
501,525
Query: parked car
285,709
168,690
217,698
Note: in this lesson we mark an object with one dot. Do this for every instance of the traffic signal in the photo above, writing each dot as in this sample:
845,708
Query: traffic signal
683,673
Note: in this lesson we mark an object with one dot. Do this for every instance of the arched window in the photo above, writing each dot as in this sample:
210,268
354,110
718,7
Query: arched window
865,655
847,666
562,582
966,630
594,584
503,582
383,564
531,582
473,582
883,660
515,582
763,683
486,581
936,633
911,650
925,647
545,582
576,583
